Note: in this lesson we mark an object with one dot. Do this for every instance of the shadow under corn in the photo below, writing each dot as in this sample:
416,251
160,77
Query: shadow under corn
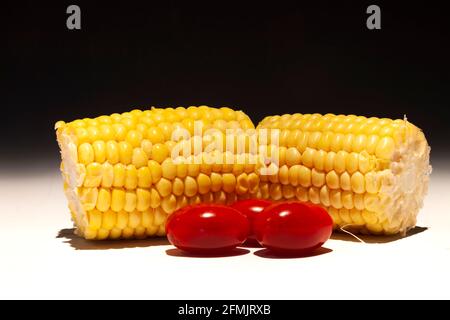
79,243
376,239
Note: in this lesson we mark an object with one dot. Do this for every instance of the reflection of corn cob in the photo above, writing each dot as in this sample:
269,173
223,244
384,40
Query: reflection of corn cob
121,181
370,174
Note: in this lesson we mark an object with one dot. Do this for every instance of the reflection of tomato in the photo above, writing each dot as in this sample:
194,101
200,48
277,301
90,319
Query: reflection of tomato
207,228
293,227
251,208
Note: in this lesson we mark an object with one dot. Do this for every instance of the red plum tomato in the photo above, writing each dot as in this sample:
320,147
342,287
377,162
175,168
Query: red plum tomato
251,208
207,228
293,228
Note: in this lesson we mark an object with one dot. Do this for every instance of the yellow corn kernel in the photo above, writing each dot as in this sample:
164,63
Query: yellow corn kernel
160,152
147,147
103,200
193,169
336,198
147,218
293,157
288,191
164,187
358,201
385,148
364,164
178,187
155,198
190,186
293,174
334,213
359,143
99,148
122,220
332,180
95,219
356,217
352,162
90,234
155,135
347,199
229,182
134,219
125,152
130,201
169,170
85,153
308,157
169,203
93,133
371,143
139,158
275,191
340,161
242,184
317,178
115,233
345,181
159,217
304,176
144,177
314,195
131,178
119,175
283,175
112,152
109,220
134,138
357,182
107,175
324,196
93,176
143,199
372,182
344,214
337,143
329,161
127,233
204,183
216,182
117,199
319,160
155,170
88,197
120,131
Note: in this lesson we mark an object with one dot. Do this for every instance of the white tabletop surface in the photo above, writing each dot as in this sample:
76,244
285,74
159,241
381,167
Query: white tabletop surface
35,263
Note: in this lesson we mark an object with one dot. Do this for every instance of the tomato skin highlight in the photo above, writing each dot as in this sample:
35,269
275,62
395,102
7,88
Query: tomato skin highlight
207,228
293,228
251,208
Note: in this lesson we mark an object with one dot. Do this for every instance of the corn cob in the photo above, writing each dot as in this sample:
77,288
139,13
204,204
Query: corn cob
120,180
370,174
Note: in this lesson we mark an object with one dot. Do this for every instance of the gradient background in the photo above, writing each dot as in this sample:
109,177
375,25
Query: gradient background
262,58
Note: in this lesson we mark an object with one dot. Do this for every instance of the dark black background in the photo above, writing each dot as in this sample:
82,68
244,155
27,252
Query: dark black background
262,57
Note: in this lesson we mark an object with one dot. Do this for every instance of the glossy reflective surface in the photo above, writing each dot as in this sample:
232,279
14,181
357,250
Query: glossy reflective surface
251,208
207,228
293,227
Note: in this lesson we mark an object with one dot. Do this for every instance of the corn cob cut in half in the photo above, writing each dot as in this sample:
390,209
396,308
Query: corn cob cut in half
119,177
370,174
